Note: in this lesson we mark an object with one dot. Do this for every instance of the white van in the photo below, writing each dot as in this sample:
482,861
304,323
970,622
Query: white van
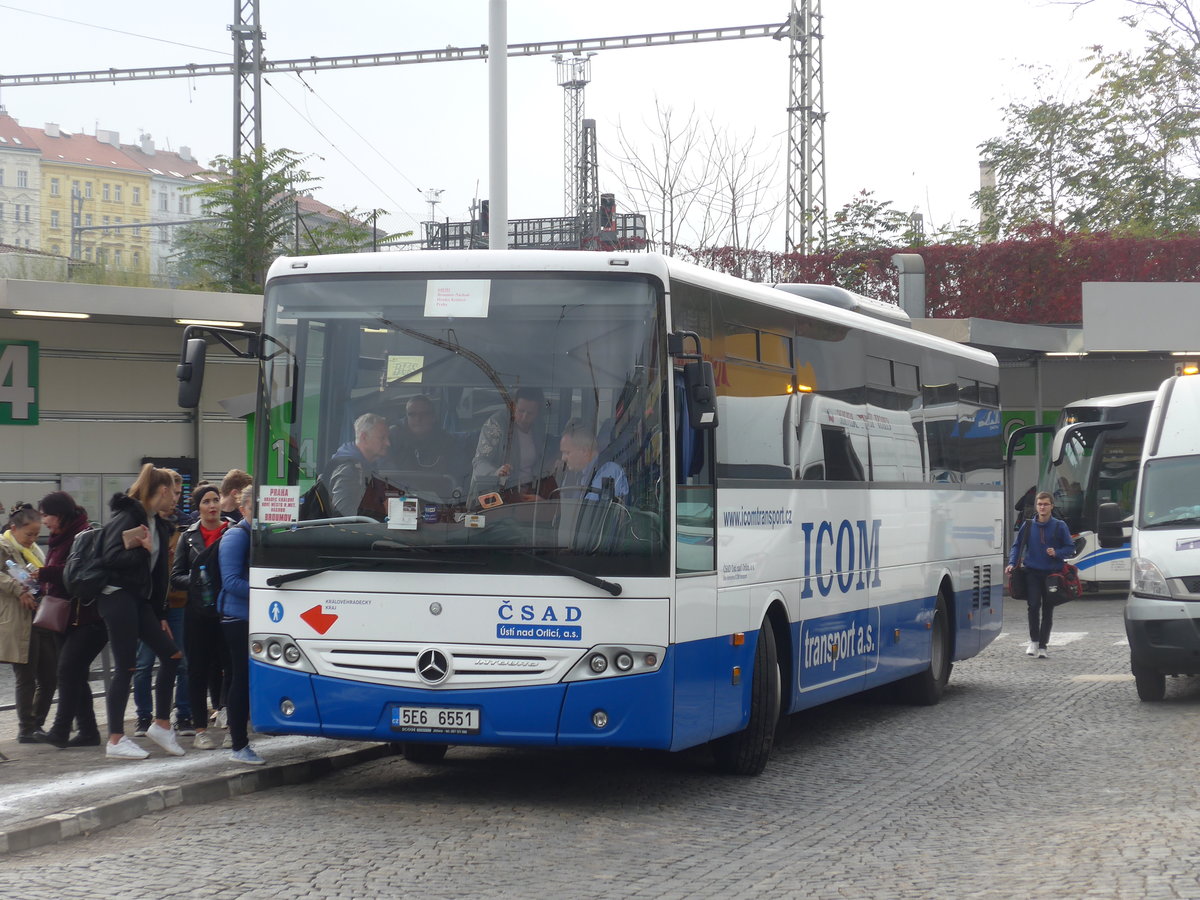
1162,615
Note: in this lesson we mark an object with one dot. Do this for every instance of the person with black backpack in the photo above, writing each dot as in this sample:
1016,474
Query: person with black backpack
197,570
135,547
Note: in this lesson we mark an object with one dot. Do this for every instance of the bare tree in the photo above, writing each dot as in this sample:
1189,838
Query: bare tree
744,201
1177,15
699,185
667,179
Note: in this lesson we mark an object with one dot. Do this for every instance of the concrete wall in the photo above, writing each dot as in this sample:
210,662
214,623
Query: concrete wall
108,397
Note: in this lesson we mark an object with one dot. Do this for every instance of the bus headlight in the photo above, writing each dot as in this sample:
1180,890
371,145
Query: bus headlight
607,661
279,650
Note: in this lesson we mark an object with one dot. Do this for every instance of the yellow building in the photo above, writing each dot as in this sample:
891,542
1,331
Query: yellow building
90,183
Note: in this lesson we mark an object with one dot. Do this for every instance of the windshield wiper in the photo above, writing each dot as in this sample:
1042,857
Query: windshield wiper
277,580
611,586
369,562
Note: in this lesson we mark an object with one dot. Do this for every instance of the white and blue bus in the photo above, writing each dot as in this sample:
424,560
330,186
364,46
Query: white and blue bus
1094,460
805,504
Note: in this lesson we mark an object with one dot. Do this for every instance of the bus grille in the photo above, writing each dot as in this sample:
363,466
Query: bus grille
470,667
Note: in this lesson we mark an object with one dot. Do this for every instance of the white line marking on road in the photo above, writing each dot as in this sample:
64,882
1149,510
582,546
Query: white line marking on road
1066,637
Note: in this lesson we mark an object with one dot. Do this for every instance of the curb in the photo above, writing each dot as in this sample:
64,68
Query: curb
124,808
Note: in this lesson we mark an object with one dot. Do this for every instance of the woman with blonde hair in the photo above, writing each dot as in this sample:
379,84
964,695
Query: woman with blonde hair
33,652
134,550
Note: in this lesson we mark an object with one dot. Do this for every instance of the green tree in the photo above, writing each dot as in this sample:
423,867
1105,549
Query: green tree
253,208
1142,180
339,231
1123,158
869,224
1038,164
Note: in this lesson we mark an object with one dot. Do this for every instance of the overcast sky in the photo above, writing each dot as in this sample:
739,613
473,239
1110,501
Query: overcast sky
911,88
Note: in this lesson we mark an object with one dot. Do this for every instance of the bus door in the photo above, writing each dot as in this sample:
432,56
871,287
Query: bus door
695,611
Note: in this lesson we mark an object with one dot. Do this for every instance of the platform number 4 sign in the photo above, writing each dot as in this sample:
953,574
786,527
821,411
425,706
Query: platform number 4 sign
18,382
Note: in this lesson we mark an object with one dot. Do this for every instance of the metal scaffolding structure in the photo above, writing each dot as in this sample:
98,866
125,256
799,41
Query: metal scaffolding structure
574,73
805,218
247,77
805,228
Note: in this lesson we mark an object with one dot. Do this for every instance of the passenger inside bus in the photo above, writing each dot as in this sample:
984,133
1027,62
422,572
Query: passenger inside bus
355,487
516,456
593,480
424,456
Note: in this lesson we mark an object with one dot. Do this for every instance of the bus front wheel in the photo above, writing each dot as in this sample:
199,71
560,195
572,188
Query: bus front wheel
746,752
425,753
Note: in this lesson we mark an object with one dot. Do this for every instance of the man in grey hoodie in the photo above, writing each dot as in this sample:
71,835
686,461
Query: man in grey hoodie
353,486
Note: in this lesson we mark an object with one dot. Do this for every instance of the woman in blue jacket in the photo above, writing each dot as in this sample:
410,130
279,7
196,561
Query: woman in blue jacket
233,605
1044,543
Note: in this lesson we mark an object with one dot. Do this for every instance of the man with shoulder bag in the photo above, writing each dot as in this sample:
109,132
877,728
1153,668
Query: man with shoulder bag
1040,548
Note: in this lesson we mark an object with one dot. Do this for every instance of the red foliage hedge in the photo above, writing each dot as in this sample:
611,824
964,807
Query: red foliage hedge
1034,278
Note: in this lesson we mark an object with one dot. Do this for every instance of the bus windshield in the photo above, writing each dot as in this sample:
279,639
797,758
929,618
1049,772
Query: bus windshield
1097,466
505,423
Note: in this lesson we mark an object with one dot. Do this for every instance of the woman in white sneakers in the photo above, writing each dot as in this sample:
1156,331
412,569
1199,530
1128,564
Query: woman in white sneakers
134,550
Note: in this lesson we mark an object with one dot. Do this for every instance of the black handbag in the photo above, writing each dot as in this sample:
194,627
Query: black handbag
1016,578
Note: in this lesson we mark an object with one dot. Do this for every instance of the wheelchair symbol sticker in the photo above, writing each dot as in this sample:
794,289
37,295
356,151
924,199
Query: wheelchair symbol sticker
275,611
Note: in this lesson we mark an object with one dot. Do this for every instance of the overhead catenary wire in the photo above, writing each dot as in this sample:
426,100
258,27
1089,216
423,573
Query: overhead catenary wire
365,140
145,37
339,151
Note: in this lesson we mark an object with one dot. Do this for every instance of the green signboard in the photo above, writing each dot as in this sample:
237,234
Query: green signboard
1017,418
18,382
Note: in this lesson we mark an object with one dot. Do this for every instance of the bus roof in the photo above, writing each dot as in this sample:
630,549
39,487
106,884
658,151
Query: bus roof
1112,401
664,267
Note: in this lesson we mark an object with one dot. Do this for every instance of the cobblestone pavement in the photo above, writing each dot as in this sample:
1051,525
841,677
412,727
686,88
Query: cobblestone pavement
1032,778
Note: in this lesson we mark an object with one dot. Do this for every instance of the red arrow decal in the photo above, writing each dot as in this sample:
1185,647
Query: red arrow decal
319,621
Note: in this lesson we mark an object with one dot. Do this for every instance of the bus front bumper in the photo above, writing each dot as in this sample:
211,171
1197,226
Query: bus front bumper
635,710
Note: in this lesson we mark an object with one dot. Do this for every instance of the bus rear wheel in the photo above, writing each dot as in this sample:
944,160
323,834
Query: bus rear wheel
425,753
926,688
746,752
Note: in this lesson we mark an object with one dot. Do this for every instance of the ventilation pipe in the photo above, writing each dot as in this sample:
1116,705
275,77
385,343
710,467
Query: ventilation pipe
912,283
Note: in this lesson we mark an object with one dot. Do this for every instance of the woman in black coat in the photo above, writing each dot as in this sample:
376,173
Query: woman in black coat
85,636
134,549
204,642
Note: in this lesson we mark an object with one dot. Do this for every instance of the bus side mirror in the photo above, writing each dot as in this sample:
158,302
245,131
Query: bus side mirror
190,372
1110,531
700,387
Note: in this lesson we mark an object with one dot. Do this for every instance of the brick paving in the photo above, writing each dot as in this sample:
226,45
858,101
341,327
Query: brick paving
1032,778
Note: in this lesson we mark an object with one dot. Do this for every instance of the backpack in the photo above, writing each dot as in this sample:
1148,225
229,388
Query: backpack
84,575
315,503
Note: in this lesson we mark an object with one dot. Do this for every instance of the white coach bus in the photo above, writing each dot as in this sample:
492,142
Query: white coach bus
764,520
